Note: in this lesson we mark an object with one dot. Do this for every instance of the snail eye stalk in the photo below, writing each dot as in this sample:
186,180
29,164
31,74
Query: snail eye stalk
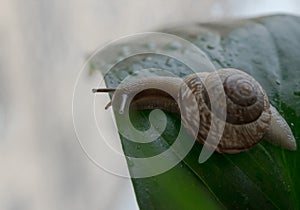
103,90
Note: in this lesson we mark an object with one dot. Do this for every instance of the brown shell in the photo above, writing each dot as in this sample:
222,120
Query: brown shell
248,112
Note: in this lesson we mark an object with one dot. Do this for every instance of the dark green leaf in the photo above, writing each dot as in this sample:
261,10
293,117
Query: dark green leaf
265,177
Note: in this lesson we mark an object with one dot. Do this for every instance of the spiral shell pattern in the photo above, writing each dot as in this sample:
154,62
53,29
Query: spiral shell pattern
248,112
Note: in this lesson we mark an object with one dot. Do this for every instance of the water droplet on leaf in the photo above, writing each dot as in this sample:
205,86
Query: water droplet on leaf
297,93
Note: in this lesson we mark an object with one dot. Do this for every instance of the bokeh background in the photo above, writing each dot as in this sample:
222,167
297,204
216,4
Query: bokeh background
43,46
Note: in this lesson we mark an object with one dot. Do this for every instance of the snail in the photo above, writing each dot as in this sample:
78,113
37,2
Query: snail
249,115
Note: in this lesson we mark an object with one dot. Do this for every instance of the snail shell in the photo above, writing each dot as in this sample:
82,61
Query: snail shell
249,115
248,112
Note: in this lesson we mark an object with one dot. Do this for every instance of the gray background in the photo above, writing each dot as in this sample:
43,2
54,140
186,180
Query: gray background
43,45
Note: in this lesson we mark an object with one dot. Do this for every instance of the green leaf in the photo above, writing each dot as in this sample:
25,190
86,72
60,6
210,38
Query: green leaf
265,177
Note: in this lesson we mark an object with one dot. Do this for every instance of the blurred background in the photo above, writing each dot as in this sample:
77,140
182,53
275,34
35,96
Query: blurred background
43,46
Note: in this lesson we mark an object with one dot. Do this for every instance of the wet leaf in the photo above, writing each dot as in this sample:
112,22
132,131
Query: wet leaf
265,177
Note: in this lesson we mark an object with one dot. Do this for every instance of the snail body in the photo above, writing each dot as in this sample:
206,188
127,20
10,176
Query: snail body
248,117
